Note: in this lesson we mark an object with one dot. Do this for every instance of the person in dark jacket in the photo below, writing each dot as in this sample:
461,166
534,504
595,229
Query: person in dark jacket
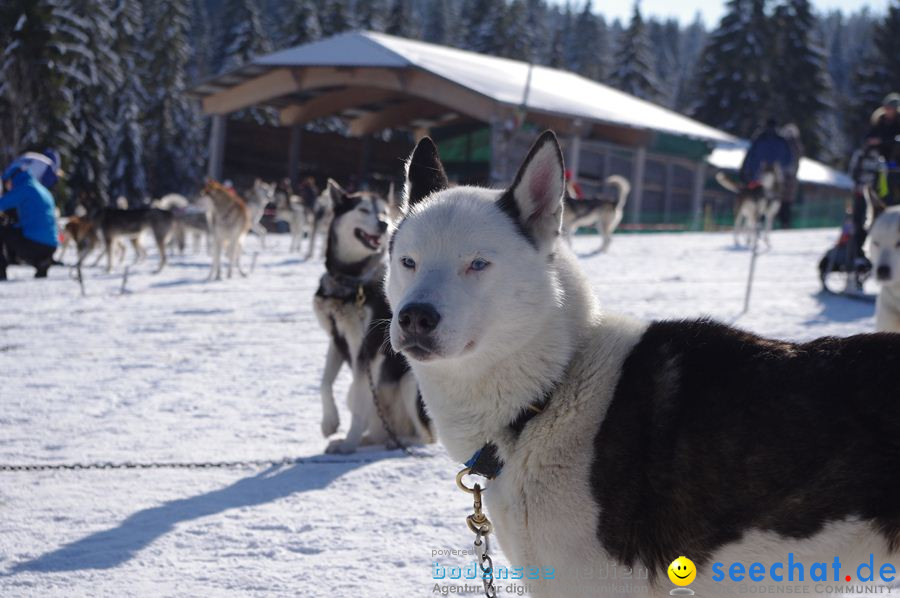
34,239
791,134
885,126
767,149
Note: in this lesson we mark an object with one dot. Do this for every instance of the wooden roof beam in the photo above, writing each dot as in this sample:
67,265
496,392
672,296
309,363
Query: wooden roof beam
332,103
275,83
393,116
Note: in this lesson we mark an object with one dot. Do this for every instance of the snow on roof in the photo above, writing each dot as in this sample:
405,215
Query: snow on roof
729,157
503,80
551,90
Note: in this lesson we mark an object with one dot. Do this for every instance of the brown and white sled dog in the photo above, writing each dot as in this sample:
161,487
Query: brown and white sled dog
351,307
602,213
885,251
616,445
753,205
229,221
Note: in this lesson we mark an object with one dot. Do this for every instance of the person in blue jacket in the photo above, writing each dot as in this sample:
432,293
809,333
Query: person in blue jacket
33,240
768,148
44,166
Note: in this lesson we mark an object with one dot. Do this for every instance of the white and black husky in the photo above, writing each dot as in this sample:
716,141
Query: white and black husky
603,213
350,306
616,442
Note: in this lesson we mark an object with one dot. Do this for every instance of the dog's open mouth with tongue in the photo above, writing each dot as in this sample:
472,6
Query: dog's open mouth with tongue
373,242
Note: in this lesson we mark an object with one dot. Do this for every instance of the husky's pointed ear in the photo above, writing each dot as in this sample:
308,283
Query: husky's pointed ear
535,199
424,174
336,193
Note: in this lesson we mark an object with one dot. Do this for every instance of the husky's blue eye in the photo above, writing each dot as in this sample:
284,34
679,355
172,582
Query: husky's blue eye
479,264
407,262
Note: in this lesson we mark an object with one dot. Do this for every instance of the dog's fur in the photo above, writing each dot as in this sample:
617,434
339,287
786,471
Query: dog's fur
351,307
885,251
82,233
229,221
260,195
752,204
654,441
188,218
319,215
602,213
116,223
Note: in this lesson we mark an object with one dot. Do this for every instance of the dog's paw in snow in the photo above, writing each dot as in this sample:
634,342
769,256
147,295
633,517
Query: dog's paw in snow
340,446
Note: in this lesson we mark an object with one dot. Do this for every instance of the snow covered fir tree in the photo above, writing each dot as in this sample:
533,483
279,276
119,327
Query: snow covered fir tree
109,90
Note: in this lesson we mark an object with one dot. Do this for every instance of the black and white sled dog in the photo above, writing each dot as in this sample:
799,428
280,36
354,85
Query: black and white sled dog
616,442
755,204
885,251
603,213
350,306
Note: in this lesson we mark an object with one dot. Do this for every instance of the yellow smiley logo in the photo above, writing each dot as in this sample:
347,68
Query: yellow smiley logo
682,571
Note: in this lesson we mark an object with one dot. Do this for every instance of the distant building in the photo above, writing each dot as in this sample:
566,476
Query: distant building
483,112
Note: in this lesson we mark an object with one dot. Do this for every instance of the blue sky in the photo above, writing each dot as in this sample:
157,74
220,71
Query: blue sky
710,10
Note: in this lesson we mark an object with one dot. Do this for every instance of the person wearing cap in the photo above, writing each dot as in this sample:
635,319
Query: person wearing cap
33,240
43,166
885,126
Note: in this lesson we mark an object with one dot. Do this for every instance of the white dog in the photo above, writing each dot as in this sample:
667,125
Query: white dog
885,252
615,445
754,204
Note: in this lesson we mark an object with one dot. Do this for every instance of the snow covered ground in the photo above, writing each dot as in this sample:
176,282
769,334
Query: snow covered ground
180,369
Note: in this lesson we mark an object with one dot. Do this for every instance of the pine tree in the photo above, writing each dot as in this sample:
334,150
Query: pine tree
732,81
399,21
173,143
93,92
127,177
370,15
243,37
665,40
333,17
634,73
301,24
517,44
437,23
560,48
799,79
589,47
887,43
202,42
484,26
35,76
693,39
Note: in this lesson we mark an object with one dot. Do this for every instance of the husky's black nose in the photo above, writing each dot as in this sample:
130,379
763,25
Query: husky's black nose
382,225
883,273
419,318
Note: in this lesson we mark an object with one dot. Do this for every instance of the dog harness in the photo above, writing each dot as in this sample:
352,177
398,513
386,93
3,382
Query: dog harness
486,462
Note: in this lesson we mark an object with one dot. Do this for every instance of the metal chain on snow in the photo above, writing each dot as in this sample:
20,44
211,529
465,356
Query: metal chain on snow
384,420
482,527
360,303
4,467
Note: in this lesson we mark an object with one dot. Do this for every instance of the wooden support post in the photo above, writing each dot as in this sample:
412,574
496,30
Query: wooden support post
216,147
293,164
574,157
637,184
699,185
